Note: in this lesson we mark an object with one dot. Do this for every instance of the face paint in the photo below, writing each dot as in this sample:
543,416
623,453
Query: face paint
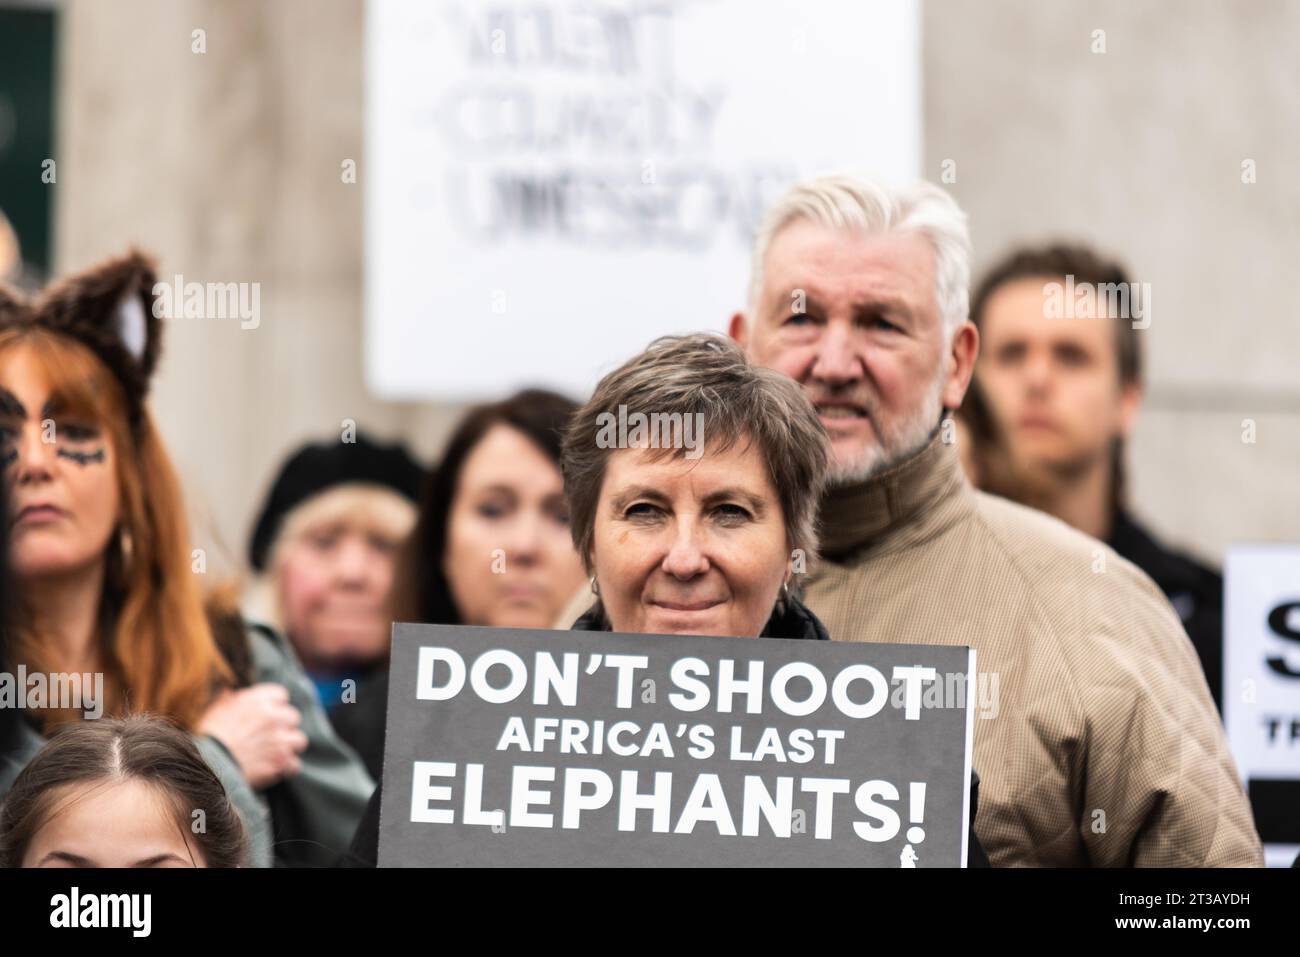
63,432
82,458
76,433
10,405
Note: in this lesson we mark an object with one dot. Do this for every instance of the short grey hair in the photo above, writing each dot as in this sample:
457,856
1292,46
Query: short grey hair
857,202
706,374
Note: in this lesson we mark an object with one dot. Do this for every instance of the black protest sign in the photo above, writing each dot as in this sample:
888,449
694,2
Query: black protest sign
518,747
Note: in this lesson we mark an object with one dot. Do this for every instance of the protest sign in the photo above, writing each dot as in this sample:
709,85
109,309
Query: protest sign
531,747
1261,688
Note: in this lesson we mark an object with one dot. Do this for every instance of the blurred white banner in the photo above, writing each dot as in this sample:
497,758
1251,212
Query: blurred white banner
550,185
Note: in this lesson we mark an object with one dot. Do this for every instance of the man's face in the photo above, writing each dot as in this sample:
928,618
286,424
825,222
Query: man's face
853,319
1052,384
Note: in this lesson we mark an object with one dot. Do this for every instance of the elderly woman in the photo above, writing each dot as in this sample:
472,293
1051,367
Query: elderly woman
692,479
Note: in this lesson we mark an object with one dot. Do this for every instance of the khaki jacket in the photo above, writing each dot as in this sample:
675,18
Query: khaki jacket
1106,749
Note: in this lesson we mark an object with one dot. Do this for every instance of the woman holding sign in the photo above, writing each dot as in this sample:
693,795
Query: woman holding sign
692,479
697,518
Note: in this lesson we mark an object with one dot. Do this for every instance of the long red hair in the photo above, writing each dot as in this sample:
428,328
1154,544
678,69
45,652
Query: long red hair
161,654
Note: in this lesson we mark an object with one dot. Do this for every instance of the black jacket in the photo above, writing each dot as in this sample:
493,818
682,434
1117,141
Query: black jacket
791,619
1195,591
361,722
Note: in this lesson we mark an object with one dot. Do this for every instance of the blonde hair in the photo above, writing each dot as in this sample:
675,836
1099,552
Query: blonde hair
359,505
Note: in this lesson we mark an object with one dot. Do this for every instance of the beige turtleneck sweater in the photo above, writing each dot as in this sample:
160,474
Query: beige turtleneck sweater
1106,748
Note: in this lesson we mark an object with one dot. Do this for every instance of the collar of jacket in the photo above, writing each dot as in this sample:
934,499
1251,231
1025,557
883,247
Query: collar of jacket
906,504
790,619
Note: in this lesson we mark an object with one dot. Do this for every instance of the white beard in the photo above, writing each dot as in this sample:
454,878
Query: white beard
894,444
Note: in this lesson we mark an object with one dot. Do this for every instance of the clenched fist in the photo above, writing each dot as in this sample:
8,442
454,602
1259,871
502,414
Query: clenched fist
260,728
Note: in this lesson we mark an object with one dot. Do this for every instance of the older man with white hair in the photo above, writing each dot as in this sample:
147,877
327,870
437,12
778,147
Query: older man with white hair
1104,746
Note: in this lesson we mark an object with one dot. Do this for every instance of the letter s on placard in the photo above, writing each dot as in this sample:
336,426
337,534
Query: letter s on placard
683,675
1278,623
425,689
865,799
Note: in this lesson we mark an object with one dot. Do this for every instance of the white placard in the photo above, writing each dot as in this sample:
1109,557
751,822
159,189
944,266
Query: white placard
551,184
1261,669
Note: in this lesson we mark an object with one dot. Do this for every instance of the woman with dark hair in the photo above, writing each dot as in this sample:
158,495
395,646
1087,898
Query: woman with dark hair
101,564
491,545
125,793
501,469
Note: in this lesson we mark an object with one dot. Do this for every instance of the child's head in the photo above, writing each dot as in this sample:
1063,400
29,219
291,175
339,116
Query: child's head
128,793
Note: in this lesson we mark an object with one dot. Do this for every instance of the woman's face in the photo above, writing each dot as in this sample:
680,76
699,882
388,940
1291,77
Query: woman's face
509,559
689,547
334,576
122,824
61,473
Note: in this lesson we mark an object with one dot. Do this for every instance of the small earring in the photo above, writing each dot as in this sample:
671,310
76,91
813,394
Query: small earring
127,547
595,588
785,592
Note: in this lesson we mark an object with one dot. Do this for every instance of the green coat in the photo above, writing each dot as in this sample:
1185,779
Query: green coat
306,819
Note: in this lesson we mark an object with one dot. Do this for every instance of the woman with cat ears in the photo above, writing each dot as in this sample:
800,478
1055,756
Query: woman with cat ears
100,562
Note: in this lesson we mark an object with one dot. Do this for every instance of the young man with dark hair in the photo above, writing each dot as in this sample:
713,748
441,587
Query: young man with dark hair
1054,399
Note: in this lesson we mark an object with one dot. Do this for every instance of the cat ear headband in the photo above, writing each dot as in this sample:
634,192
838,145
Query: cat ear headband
109,308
